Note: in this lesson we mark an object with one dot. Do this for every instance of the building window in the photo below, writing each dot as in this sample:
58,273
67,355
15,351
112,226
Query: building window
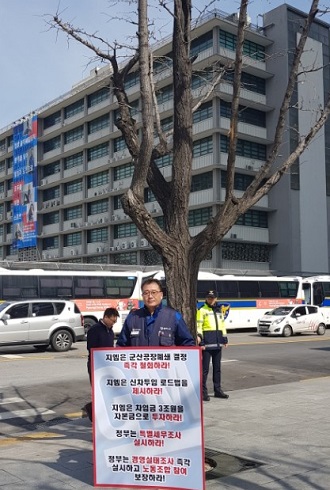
72,239
3,166
248,82
119,144
10,162
148,195
50,243
72,213
97,259
97,235
203,147
201,181
125,258
151,257
53,119
162,63
74,109
197,217
101,178
245,114
52,144
117,202
73,135
246,252
51,218
257,219
255,51
73,160
51,193
165,94
164,161
98,124
98,151
3,145
245,148
72,187
123,171
98,207
201,43
241,181
132,78
125,230
204,112
98,96
51,168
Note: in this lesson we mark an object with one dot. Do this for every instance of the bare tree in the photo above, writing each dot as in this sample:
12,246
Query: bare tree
182,253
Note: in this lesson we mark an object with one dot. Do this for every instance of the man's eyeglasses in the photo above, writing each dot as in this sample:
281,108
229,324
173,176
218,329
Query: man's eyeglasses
150,293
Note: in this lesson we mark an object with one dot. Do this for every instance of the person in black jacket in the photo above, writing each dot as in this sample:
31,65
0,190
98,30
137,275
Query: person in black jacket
100,335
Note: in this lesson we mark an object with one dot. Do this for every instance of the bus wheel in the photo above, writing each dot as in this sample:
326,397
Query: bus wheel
61,341
321,329
287,331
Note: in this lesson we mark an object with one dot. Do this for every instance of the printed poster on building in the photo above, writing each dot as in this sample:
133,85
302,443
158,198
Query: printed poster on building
148,429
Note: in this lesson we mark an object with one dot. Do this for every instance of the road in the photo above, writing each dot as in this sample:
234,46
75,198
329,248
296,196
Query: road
41,388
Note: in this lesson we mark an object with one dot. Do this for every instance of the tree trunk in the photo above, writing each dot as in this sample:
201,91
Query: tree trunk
181,284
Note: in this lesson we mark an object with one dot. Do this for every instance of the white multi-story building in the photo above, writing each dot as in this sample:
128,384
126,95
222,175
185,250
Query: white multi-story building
83,166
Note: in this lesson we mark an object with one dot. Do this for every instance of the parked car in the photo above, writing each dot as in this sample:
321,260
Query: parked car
57,323
291,319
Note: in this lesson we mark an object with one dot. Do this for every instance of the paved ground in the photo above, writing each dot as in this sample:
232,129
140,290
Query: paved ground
285,427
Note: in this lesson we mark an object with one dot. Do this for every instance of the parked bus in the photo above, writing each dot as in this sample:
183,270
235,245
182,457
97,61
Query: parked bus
317,292
92,291
249,297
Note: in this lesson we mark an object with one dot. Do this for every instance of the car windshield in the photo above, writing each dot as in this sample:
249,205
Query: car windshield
282,310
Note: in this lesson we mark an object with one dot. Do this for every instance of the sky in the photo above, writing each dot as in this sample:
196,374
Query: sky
38,64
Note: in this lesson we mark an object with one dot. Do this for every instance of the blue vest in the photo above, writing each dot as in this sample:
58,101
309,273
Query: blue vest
157,329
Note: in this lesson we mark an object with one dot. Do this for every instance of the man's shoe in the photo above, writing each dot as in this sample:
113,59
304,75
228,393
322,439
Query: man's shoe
221,394
206,398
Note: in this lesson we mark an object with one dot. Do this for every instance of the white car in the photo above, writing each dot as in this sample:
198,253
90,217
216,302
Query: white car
290,319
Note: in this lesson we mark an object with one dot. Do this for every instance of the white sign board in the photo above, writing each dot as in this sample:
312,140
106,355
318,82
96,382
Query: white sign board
147,421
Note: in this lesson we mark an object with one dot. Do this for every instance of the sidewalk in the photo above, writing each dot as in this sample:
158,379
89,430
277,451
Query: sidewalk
286,427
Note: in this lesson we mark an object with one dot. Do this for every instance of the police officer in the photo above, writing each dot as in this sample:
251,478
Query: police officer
154,324
211,336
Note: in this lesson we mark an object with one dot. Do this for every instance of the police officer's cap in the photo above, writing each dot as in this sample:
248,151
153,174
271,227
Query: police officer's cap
211,294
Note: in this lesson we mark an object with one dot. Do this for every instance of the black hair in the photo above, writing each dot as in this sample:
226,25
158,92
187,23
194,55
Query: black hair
110,312
151,280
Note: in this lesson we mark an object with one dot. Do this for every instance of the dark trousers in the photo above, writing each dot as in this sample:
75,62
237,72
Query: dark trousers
215,354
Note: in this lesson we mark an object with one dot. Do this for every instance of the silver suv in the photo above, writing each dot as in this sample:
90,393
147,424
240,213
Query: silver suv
57,323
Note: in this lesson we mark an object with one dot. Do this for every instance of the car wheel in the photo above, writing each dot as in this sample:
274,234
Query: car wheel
321,329
61,341
41,348
287,331
88,323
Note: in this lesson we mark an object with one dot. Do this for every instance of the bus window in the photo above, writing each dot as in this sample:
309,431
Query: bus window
83,286
14,287
203,286
319,292
227,289
248,289
119,286
56,287
288,289
269,289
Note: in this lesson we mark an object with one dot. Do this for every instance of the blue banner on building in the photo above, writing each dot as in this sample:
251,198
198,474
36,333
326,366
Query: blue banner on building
25,184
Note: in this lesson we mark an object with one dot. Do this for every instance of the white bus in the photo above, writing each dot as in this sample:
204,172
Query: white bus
92,291
249,297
